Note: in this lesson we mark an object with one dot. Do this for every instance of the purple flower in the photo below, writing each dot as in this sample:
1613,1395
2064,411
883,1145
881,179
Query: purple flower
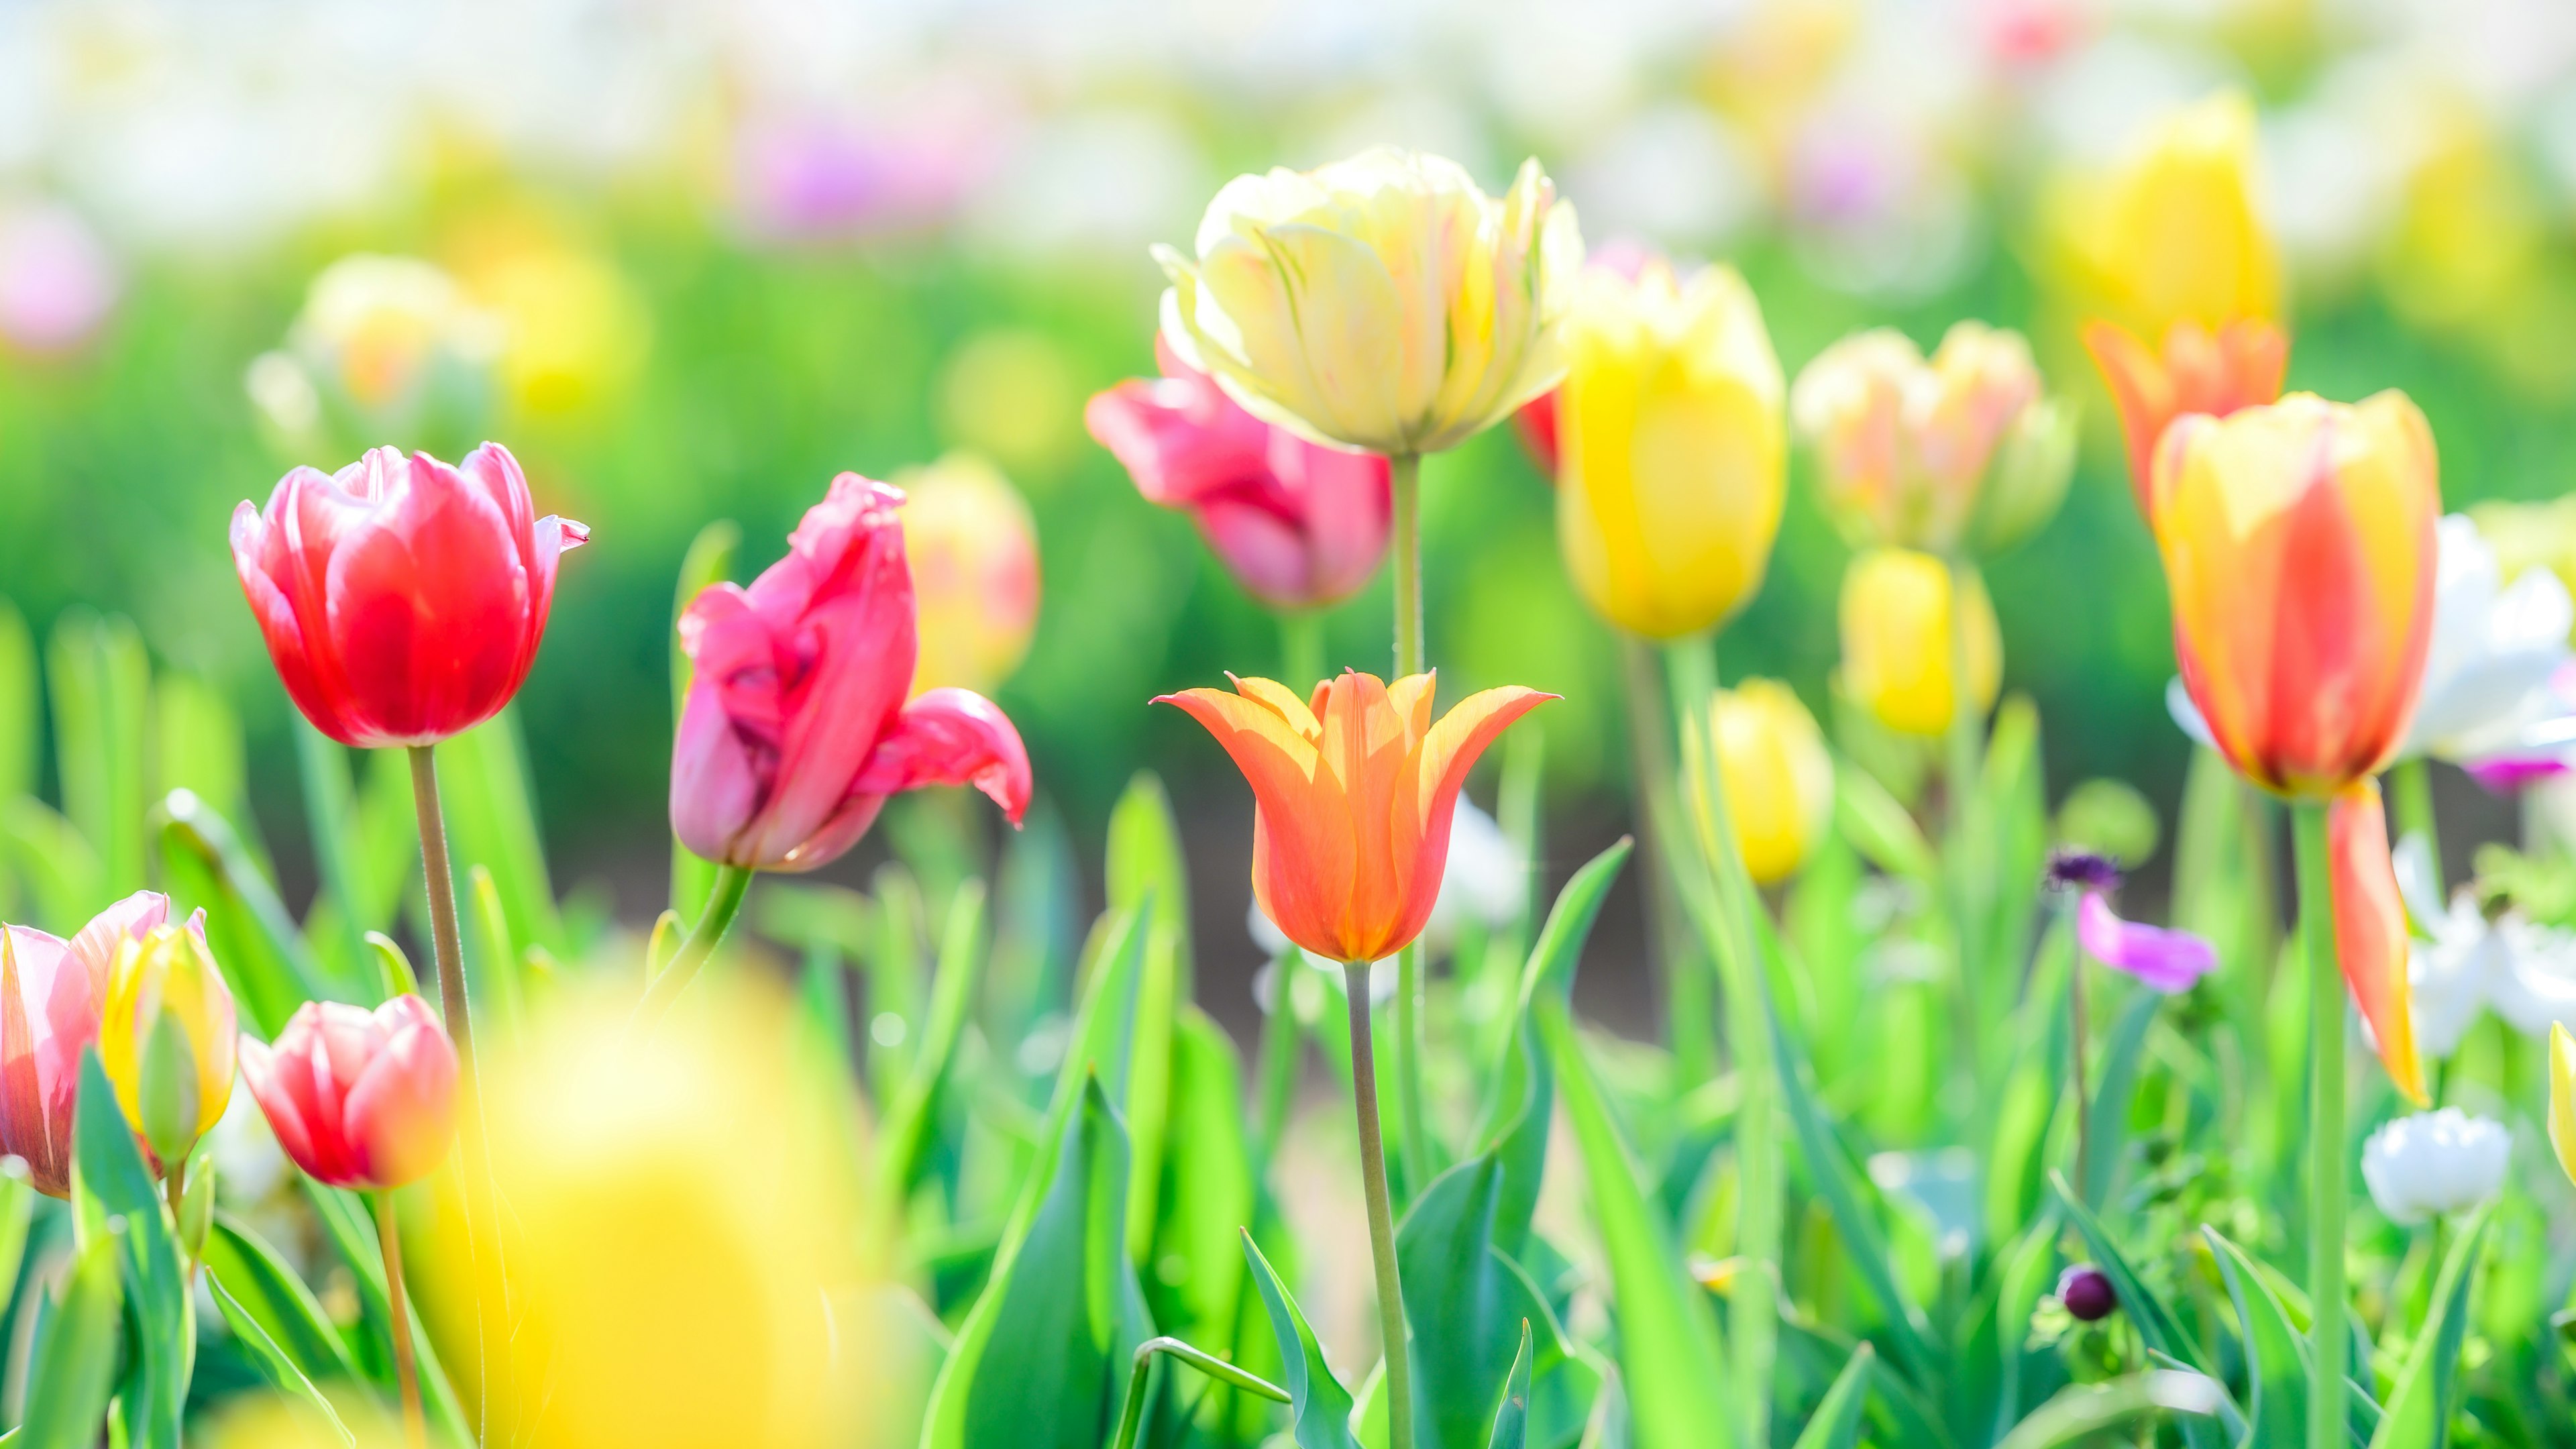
2167,961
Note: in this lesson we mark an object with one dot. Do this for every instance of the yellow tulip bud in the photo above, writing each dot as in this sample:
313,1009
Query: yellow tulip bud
1899,641
1673,448
2562,1098
166,1038
973,548
2173,234
1383,302
1778,777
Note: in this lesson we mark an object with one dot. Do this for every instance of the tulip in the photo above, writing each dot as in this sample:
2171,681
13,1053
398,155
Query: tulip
402,600
571,326
1672,448
1777,775
973,551
358,1099
2562,1098
2173,233
1899,642
383,345
2200,371
1906,446
1382,303
52,995
796,728
166,1036
1300,526
2434,1163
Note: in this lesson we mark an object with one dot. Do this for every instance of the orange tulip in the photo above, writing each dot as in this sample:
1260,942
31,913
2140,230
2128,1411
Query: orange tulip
2199,371
1353,795
2370,931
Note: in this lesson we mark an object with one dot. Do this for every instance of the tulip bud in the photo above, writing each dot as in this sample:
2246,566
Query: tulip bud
1777,774
358,1098
2087,1293
1899,643
166,1039
2434,1163
973,550
1916,453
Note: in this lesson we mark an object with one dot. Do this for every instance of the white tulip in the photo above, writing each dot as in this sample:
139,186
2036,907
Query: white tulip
2434,1163
2495,644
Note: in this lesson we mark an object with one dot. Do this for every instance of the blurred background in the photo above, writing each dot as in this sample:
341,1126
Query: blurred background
714,253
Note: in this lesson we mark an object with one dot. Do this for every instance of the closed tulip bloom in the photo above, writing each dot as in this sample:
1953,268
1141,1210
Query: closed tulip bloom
2173,233
1299,525
1906,446
1353,793
796,726
1777,774
52,995
402,599
1383,302
1899,643
973,551
1673,449
2199,371
166,1038
358,1098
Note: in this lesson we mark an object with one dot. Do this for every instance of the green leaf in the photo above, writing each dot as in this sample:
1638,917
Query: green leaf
264,1288
17,1211
708,561
2417,1412
273,1362
1146,874
1319,1407
492,822
109,1173
2118,1084
1669,1356
491,960
2083,1410
1511,1416
330,811
1463,1302
393,967
2276,1355
1836,1422
2155,1321
19,705
57,870
1197,1289
253,939
1881,829
75,1365
102,688
905,1138
351,1228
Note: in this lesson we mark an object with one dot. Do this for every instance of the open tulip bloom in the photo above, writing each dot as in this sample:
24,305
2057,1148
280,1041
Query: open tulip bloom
52,995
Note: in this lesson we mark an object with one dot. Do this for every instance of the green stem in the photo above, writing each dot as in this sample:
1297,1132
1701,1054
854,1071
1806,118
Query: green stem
1404,478
443,932
1755,1316
1690,1010
1962,768
1206,1363
1404,481
2079,1024
2410,789
406,1372
1301,649
724,902
1381,1218
2328,1338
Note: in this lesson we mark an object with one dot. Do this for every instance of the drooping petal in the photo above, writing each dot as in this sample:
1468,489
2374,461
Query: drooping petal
951,737
2166,960
2370,931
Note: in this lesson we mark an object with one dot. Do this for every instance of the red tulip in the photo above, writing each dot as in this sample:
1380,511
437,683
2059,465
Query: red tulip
1299,525
53,994
796,729
402,600
358,1098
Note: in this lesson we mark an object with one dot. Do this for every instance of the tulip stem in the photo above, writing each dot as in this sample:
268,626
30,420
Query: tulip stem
1690,1013
443,932
2079,1023
724,902
2328,1338
1301,649
406,1372
2410,790
1404,483
1381,1219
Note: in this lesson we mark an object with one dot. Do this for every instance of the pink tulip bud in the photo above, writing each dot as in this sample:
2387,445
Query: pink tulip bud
796,727
53,994
358,1098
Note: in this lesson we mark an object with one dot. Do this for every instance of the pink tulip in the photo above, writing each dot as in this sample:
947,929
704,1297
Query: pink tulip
358,1098
796,728
52,995
1298,524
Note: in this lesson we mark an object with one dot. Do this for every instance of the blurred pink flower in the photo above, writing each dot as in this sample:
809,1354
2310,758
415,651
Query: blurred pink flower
805,176
1300,525
57,281
2167,961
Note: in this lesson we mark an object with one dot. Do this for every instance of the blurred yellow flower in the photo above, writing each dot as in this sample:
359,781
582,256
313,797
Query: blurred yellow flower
2562,1097
1010,393
2174,232
572,327
166,1038
973,548
1383,302
383,348
1673,448
678,1211
1777,775
1899,642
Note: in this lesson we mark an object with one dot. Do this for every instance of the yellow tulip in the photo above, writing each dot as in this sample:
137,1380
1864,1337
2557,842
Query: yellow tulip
2562,1098
973,548
383,346
2174,234
1899,642
1383,302
166,1038
573,329
1672,462
1778,777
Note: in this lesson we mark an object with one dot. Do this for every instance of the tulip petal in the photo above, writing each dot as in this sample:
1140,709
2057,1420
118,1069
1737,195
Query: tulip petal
951,737
49,1012
2370,931
2562,1098
401,1115
2165,960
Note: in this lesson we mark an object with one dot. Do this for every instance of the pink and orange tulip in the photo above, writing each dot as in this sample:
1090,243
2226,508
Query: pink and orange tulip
358,1098
1353,790
2199,371
796,727
1299,525
52,995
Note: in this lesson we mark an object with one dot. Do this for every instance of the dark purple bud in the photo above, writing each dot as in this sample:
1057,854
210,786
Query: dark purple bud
2082,870
2087,1293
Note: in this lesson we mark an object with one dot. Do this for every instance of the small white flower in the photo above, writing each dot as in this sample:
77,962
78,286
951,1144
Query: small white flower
2434,1163
2524,972
2494,647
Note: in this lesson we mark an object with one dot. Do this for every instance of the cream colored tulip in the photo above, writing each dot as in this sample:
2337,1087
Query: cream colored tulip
1907,447
1778,776
1673,448
1899,642
1383,302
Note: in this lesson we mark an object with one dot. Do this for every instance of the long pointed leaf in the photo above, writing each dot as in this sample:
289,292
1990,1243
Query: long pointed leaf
1836,1422
1319,1407
263,1287
108,1169
1511,1416
273,1362
76,1364
2417,1414
2276,1356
